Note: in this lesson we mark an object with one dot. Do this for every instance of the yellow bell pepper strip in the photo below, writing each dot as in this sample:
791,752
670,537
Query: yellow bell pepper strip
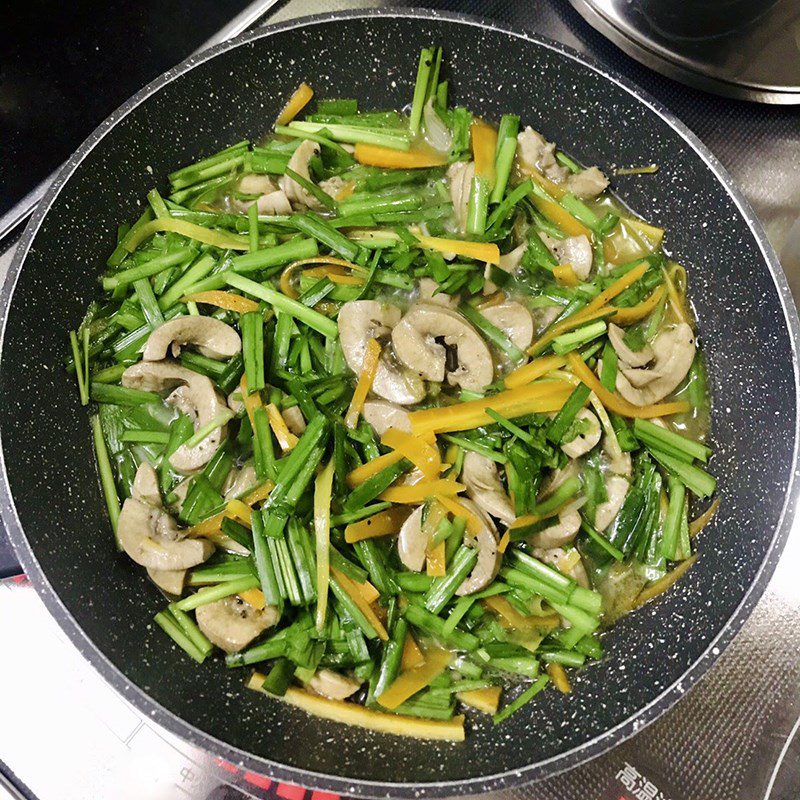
486,700
286,439
543,396
241,511
484,145
369,368
627,316
226,300
474,525
533,370
451,730
411,681
619,286
617,404
559,677
373,155
285,282
598,308
480,251
345,191
653,234
288,273
553,189
511,617
368,592
216,238
333,276
561,217
436,561
235,509
675,273
351,587
412,655
565,275
254,597
667,582
297,102
259,494
384,523
251,401
504,542
330,260
419,492
371,468
323,486
696,525
425,457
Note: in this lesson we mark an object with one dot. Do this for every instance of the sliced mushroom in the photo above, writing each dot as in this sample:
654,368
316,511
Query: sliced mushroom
232,623
362,320
212,337
145,485
270,200
412,542
195,396
421,340
235,402
533,150
562,532
557,557
545,316
145,488
489,557
460,176
179,493
514,320
170,581
383,415
334,186
587,183
299,161
239,480
256,184
150,536
632,358
480,476
673,353
616,489
574,250
274,204
294,419
328,683
587,438
428,290
619,463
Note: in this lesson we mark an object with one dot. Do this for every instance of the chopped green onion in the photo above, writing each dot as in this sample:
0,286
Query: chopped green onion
319,322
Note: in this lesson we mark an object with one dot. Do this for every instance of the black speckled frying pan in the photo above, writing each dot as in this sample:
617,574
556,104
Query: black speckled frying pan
748,328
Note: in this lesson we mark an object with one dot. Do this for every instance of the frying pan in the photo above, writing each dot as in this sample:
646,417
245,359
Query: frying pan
748,328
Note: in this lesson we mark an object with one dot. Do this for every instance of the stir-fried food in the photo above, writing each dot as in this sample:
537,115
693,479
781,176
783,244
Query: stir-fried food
399,410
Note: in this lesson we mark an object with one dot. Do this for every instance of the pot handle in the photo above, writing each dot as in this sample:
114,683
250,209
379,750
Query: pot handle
9,563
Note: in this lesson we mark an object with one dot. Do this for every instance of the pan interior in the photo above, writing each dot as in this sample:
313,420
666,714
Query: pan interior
236,95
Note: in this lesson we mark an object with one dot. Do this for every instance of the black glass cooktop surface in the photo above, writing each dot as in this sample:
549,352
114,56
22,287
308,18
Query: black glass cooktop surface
65,66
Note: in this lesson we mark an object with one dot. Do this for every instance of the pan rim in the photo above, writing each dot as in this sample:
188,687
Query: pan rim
356,786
